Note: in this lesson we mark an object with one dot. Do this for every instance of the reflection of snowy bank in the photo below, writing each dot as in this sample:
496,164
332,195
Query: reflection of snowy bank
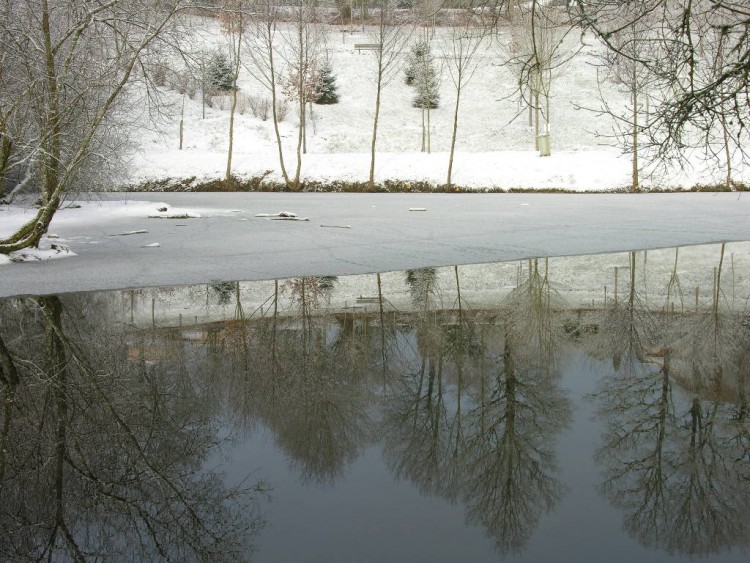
585,282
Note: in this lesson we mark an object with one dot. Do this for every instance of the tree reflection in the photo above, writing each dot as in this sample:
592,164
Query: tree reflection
102,460
628,328
304,380
674,456
416,415
480,428
529,310
511,462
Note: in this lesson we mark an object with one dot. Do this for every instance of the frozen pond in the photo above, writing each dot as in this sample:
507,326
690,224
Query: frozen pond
351,234
587,408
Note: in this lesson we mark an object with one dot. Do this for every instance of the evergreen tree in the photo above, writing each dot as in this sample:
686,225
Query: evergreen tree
220,72
414,61
425,78
325,90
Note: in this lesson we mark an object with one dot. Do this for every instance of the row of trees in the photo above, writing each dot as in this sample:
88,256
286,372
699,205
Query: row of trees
66,69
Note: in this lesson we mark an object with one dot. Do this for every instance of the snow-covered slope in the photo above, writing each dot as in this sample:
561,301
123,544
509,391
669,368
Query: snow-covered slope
495,145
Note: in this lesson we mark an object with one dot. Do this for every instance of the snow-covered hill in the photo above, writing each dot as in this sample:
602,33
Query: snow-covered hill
495,146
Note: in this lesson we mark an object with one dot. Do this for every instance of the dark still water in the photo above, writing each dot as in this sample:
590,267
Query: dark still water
568,409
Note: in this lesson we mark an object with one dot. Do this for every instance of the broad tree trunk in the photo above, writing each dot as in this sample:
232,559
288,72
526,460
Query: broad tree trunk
274,113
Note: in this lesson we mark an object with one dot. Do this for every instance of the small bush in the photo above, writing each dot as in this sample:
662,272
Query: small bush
241,103
260,107
282,110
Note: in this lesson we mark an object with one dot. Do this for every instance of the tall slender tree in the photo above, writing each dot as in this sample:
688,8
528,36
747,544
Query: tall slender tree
264,64
461,55
391,35
232,19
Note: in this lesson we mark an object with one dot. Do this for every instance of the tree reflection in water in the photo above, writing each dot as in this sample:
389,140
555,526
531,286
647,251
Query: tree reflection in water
488,439
466,402
304,380
674,455
102,455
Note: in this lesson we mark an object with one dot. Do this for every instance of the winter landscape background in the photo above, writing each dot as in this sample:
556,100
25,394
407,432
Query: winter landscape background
495,146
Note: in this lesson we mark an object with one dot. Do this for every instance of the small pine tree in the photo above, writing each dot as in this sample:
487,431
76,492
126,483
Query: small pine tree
325,90
220,72
414,61
425,78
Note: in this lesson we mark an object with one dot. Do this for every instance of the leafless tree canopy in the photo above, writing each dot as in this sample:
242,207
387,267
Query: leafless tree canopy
698,55
65,66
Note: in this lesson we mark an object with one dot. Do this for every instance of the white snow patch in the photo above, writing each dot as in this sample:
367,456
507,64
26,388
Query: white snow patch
37,254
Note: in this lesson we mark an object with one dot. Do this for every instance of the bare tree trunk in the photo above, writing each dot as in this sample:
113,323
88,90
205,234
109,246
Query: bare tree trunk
727,152
235,76
635,177
371,181
275,115
6,148
52,158
536,120
424,134
300,140
203,90
429,140
455,132
182,120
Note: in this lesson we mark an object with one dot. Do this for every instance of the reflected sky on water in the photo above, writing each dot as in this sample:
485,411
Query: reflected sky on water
562,409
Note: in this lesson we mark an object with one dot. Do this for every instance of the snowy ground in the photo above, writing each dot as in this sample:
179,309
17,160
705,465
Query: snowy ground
495,147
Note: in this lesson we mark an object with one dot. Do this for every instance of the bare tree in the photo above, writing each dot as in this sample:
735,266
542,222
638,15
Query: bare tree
232,19
699,59
77,59
286,58
302,53
264,65
391,34
538,35
461,54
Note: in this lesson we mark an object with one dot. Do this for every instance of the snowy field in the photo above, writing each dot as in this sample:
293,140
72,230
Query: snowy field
495,144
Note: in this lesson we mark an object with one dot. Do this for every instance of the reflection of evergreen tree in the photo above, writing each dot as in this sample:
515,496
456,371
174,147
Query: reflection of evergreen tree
423,288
